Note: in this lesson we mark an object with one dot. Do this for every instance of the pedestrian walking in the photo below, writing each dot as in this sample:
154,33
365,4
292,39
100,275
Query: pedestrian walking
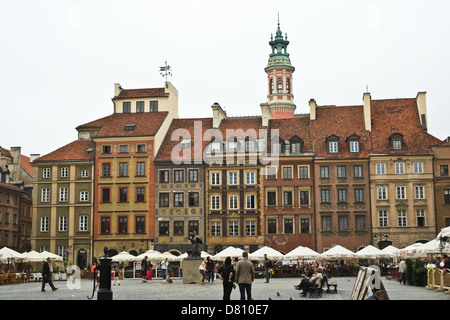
202,270
226,273
267,267
116,277
47,271
402,270
245,275
211,269
144,267
164,266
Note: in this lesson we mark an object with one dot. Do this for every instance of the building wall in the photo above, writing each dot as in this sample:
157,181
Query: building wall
442,184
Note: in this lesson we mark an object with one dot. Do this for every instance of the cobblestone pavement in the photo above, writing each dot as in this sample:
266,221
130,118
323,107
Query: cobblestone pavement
156,289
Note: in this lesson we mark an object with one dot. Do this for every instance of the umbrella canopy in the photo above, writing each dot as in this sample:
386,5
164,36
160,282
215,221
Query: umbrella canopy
389,252
369,252
151,255
123,257
203,255
6,253
413,250
52,256
338,252
170,256
301,253
34,256
271,254
445,233
230,251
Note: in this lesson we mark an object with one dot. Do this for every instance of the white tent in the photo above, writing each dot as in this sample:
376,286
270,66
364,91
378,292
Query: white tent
230,251
34,256
123,257
6,253
272,254
52,256
301,253
389,252
338,252
151,255
414,250
203,255
368,252
433,246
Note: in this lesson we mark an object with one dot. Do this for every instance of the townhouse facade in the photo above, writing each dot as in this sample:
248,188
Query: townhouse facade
442,183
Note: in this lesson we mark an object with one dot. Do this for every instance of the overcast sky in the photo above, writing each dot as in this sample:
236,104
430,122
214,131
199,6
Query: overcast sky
59,60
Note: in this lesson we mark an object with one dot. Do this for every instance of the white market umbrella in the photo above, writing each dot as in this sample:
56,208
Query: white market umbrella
272,254
34,256
6,253
389,252
203,254
445,233
434,246
52,256
170,257
414,249
230,251
368,252
338,252
301,253
123,257
151,255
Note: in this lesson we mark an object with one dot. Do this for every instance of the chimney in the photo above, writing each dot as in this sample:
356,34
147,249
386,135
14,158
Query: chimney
218,115
367,115
422,108
266,114
34,156
117,89
312,108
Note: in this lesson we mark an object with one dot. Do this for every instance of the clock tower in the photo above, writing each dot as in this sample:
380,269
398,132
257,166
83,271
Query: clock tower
279,75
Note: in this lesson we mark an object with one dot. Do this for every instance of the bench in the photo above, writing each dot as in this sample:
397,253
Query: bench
316,291
331,286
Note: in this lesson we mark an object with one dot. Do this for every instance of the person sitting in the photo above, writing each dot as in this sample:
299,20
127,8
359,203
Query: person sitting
314,281
305,277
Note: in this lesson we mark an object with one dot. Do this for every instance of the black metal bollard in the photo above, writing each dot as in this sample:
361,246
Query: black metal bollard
104,288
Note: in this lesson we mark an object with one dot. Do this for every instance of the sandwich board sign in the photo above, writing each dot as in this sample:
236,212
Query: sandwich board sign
367,282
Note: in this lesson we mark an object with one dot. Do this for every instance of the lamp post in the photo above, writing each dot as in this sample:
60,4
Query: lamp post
104,289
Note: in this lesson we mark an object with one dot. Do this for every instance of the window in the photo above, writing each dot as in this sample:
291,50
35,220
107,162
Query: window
360,223
193,175
249,145
123,194
343,223
420,192
164,228
178,175
215,147
193,226
333,147
288,226
215,202
123,148
193,199
216,228
63,194
324,172
295,147
396,144
444,170
401,216
271,173
382,193
46,173
83,223
164,176
62,224
45,195
401,193
418,167
250,201
140,194
272,198
64,172
44,224
232,178
420,215
303,172
326,223
381,168
354,146
287,172
123,169
215,178
232,146
106,149
140,169
250,177
325,195
304,197
357,171
287,198
359,195
399,168
84,173
288,85
106,195
84,196
178,199
153,106
140,224
123,225
163,199
383,218
280,85
178,228
271,226
447,196
141,148
140,106
341,172
233,202
271,86
342,195
105,225
233,228
250,228
106,169
304,225
126,107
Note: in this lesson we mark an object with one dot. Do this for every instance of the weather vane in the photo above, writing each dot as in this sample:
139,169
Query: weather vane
165,71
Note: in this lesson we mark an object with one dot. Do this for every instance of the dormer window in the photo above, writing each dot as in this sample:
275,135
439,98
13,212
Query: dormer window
396,141
232,146
186,143
250,145
353,143
277,146
296,145
215,147
130,127
332,144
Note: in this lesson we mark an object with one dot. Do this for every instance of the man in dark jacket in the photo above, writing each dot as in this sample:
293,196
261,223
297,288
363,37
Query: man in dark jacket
47,271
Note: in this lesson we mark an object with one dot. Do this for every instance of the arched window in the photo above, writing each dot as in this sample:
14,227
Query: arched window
288,85
280,85
271,86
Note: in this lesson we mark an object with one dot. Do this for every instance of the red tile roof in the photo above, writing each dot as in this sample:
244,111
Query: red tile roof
141,93
289,128
74,151
146,124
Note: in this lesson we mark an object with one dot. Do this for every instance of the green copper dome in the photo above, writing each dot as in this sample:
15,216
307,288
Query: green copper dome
279,55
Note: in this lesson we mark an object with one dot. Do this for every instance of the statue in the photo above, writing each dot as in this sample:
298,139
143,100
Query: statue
195,251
